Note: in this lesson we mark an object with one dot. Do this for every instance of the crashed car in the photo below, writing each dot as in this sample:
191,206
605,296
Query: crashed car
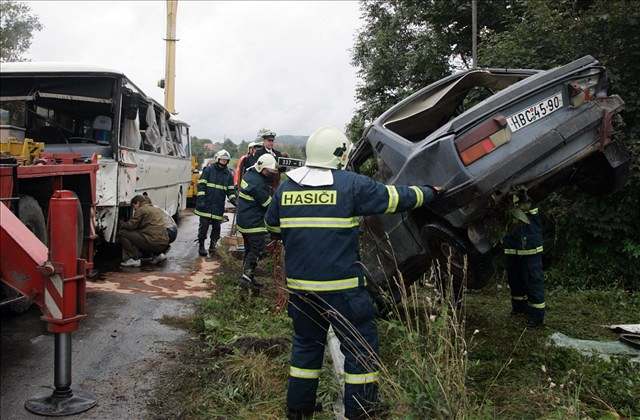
491,138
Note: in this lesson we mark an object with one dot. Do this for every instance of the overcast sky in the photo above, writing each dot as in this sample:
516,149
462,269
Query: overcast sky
240,65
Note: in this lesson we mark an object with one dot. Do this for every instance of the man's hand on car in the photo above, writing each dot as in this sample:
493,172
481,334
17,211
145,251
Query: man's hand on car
437,190
431,192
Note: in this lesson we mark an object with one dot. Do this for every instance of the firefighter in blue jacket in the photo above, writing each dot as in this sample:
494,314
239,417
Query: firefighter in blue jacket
214,186
254,198
316,213
523,250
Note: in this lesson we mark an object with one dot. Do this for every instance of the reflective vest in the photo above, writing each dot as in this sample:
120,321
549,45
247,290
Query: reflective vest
320,226
253,199
526,238
214,186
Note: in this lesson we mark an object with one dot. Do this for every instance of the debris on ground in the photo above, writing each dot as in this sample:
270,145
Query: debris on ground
603,349
625,328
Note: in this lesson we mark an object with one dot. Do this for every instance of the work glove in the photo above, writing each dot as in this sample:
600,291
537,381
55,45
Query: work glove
234,201
431,193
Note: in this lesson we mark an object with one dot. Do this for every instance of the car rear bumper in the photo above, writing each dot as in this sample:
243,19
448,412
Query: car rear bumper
469,201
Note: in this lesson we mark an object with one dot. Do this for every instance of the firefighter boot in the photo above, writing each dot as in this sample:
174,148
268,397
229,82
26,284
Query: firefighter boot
299,414
212,249
248,281
201,250
518,306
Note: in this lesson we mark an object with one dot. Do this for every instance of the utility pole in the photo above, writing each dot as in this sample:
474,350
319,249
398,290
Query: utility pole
170,64
474,31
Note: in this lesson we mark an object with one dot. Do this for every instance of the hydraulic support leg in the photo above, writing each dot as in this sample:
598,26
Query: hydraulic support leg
64,294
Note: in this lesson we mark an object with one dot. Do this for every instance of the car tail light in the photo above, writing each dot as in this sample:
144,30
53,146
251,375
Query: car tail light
583,90
483,139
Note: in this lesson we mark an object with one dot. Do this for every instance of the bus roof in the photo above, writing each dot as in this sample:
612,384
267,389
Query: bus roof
174,120
54,67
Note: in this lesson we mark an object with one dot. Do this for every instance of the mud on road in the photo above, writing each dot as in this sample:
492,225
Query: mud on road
123,347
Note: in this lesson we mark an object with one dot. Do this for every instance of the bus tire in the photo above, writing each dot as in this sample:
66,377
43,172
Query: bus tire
31,215
176,216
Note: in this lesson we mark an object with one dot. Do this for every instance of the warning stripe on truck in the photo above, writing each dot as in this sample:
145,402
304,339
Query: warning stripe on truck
54,296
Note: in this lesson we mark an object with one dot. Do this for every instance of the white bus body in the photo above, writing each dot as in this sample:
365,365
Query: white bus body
92,110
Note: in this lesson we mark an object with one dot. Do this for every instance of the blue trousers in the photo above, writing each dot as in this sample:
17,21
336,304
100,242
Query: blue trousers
352,315
526,281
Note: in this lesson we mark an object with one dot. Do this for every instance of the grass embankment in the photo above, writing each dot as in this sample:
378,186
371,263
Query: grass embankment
436,366
239,366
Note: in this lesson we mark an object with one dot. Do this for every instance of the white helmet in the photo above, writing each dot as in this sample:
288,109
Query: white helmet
266,161
328,148
221,155
265,132
255,144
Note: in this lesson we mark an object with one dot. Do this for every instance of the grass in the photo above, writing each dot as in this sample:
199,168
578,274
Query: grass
238,367
435,362
517,373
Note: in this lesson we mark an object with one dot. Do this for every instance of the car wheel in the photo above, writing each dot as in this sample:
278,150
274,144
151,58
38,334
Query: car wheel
457,264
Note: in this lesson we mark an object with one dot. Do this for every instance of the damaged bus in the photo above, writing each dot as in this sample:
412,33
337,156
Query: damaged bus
93,111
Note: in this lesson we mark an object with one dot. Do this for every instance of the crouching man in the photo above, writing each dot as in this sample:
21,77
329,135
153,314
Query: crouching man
144,233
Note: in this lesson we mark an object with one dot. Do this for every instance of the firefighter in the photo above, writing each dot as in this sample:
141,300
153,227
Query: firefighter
523,249
242,166
144,233
214,186
268,138
254,198
316,213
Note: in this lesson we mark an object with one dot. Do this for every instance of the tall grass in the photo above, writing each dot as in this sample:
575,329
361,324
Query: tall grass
424,359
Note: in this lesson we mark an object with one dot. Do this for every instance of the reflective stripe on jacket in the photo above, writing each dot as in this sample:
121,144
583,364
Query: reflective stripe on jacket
214,186
253,199
525,238
319,227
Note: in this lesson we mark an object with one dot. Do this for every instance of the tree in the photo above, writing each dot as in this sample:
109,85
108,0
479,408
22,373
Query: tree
17,25
230,147
198,149
405,45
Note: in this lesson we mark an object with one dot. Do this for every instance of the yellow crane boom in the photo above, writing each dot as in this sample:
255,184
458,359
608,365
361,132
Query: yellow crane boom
170,64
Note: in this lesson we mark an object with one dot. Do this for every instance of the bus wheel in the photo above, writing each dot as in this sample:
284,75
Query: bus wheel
31,215
176,216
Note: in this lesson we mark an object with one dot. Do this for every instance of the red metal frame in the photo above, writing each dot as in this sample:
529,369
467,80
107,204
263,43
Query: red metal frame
54,278
55,167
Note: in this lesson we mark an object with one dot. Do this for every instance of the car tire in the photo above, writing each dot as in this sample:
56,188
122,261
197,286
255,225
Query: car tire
448,251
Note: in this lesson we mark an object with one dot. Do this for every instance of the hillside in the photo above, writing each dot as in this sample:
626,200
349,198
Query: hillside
293,140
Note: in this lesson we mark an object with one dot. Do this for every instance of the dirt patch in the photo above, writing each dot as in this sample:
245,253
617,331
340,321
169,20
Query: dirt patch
272,346
160,285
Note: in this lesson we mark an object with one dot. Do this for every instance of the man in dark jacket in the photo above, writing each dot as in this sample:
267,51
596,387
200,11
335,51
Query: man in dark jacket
523,250
254,198
214,186
268,138
145,232
316,212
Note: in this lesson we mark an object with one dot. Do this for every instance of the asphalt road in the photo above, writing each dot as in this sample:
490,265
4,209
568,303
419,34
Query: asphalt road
122,348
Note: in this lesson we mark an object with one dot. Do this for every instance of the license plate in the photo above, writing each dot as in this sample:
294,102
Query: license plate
290,162
535,112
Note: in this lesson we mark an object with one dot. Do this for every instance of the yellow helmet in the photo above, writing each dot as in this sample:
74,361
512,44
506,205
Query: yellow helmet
328,148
